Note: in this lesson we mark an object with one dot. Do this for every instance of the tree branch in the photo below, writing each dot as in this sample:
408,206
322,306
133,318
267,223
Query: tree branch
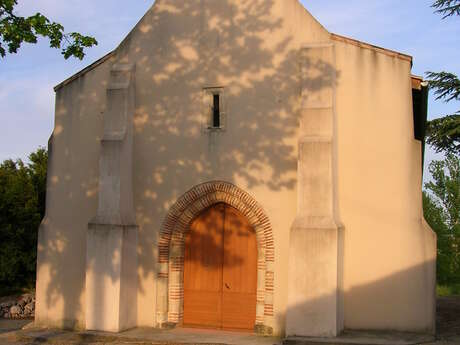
14,30
445,85
447,8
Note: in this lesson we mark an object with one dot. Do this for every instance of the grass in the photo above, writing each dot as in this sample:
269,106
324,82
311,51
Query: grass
448,290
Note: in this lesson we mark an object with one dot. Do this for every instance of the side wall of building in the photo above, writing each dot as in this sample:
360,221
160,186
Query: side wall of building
71,200
389,255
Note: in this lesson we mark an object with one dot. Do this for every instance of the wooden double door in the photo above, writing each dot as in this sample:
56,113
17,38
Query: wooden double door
220,271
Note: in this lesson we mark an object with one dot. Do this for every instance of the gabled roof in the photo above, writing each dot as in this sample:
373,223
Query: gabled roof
335,37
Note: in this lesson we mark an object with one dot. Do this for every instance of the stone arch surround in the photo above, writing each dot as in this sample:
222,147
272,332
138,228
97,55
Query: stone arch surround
171,246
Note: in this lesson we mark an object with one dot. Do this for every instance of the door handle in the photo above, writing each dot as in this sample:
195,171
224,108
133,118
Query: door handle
227,286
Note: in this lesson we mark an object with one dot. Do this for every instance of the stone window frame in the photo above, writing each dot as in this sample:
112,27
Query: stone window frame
171,247
207,105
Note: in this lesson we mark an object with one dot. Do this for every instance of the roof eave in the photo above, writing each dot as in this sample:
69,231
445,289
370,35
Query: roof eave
365,45
84,70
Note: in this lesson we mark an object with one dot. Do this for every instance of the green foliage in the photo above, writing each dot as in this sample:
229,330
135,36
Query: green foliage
446,85
441,205
434,216
447,8
22,206
444,134
448,290
14,30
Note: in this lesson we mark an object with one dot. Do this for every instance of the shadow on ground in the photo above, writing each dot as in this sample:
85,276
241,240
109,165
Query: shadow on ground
11,332
448,318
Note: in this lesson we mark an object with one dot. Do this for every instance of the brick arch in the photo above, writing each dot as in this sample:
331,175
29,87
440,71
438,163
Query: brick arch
171,246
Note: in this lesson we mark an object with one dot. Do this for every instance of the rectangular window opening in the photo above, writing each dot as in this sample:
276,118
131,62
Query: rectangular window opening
216,111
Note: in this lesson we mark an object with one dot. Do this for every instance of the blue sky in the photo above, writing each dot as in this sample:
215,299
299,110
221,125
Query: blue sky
27,78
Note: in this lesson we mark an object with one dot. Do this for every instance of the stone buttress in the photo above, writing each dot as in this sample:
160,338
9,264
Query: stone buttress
111,257
314,302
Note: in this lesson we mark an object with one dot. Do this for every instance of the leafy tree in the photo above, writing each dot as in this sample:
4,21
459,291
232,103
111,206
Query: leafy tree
441,204
434,215
15,30
37,170
444,133
22,206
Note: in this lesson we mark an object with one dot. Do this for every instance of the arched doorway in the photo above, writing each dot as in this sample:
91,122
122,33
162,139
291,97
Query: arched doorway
171,251
220,270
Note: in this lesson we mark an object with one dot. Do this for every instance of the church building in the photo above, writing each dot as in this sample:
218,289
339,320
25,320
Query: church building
233,165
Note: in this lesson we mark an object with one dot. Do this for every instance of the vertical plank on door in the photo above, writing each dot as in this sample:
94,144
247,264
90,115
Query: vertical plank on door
239,272
203,269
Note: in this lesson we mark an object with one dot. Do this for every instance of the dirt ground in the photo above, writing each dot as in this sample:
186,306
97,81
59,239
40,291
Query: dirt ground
448,332
448,319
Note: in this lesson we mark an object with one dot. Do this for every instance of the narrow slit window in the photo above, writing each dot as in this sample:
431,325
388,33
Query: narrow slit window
216,111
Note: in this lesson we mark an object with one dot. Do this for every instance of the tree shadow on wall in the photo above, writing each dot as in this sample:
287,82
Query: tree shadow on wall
180,48
220,238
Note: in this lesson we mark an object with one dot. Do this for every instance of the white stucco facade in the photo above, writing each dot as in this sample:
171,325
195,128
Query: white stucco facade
317,131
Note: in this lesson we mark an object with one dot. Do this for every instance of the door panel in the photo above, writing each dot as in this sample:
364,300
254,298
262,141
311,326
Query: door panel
220,270
203,309
203,269
238,311
239,272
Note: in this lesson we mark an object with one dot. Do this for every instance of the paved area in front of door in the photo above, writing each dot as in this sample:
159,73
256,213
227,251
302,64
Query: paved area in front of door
11,333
